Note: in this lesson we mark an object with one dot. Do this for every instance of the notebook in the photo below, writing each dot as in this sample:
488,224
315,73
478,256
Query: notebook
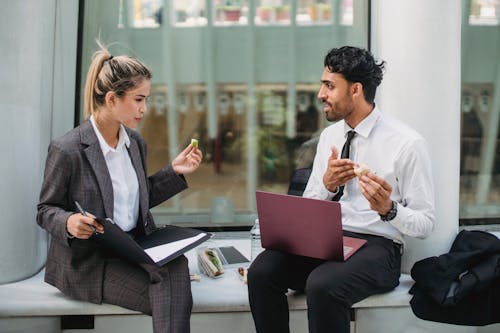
304,226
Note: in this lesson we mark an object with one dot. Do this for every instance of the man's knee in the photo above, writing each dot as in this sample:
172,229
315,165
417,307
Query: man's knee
262,268
257,273
321,288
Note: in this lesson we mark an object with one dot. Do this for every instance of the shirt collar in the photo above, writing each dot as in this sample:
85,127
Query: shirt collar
366,125
123,138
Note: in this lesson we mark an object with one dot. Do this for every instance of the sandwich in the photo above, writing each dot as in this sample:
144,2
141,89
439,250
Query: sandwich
209,262
361,169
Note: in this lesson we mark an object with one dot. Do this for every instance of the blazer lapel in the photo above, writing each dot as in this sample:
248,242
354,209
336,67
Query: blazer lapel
98,164
135,156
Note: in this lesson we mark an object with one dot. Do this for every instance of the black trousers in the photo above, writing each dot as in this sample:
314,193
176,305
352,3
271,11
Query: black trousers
331,287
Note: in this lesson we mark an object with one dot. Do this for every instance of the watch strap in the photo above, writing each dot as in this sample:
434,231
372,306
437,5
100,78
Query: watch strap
391,214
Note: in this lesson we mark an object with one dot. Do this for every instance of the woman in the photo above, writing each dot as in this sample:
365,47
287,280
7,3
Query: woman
101,164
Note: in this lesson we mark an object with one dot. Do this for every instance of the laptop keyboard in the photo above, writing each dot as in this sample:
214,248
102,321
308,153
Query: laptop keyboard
347,250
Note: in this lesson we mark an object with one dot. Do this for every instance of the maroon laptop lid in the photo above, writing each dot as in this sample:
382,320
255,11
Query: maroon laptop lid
303,226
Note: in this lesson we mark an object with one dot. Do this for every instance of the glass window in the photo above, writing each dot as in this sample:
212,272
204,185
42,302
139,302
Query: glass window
480,115
247,94
483,12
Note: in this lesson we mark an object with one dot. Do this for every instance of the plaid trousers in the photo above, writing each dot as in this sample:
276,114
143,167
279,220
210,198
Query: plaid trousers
163,292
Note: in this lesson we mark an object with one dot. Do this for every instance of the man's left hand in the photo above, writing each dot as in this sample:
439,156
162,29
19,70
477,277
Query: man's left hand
377,191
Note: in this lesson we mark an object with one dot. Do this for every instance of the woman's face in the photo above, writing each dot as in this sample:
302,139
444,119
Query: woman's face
130,108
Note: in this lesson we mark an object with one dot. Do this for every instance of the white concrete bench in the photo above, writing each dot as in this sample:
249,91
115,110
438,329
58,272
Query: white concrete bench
220,305
220,300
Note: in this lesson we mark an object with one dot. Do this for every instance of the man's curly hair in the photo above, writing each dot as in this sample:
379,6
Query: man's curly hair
356,65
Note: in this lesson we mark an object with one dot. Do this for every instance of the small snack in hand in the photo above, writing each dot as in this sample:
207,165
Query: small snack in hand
361,169
194,142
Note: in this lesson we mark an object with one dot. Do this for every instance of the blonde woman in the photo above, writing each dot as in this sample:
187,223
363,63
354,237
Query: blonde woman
101,164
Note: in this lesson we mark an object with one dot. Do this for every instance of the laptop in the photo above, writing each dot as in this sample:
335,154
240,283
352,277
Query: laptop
304,226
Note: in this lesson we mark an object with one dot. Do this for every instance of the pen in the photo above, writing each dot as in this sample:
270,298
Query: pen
80,209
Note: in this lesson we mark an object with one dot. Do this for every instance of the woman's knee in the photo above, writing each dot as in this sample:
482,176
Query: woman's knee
180,262
177,266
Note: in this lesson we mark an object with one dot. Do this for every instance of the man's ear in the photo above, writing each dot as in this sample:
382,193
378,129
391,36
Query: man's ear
110,98
357,90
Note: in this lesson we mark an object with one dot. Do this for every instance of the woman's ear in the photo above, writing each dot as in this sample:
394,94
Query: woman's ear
110,99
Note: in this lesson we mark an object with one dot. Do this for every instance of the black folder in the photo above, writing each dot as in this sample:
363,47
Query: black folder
136,250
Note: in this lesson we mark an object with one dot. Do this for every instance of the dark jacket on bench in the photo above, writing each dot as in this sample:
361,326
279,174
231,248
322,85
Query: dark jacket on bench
463,286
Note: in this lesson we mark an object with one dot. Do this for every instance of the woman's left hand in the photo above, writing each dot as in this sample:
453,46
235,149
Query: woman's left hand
188,160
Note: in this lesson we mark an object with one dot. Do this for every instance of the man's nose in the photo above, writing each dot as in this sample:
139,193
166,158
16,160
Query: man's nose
321,95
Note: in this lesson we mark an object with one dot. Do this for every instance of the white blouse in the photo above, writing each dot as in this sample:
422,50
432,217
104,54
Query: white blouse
123,178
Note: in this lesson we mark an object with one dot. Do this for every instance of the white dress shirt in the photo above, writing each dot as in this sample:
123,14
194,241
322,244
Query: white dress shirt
123,178
394,152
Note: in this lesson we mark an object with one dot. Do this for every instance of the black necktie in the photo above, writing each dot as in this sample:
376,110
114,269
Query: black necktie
344,154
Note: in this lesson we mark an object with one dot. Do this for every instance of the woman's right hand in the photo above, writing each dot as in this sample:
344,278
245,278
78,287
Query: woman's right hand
83,227
188,160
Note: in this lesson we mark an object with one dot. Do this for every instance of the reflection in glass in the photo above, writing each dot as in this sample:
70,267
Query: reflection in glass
189,13
230,12
314,12
147,13
347,12
154,129
272,12
279,155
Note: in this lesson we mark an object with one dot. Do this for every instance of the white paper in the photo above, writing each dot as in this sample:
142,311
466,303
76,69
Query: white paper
160,252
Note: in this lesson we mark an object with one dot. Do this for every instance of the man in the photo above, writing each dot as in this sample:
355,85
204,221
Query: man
393,200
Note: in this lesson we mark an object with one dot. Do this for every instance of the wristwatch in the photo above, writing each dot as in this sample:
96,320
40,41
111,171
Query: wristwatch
391,214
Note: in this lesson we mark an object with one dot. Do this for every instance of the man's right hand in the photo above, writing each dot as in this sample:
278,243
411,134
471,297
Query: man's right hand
83,227
338,171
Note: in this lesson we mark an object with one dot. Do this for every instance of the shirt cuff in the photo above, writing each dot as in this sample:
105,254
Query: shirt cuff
332,194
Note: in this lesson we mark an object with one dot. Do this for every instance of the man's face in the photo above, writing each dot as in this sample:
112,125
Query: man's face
336,95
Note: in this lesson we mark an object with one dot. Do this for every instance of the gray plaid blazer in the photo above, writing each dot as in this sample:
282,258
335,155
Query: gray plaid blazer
76,170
